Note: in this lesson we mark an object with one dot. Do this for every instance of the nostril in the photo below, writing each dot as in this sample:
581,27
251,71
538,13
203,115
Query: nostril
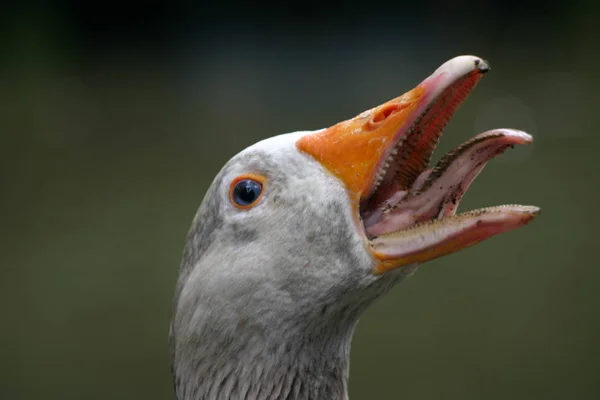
383,113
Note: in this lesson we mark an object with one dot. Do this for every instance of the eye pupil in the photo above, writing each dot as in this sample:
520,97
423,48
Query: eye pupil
246,192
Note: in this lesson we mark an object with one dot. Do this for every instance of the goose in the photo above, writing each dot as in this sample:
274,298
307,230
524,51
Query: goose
300,233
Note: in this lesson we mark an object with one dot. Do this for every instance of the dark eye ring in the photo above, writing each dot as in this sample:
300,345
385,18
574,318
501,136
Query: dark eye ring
246,190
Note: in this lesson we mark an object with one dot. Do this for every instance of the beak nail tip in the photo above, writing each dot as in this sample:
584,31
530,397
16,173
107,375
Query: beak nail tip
482,65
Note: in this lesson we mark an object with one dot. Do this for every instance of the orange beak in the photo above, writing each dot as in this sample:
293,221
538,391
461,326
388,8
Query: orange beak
382,158
355,150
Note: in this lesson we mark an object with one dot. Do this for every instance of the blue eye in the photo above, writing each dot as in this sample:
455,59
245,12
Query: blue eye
246,192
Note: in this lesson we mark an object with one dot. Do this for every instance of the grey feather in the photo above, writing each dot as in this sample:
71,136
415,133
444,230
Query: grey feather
267,299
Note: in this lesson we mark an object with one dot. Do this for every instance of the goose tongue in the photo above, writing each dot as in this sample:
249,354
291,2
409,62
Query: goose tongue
436,193
423,225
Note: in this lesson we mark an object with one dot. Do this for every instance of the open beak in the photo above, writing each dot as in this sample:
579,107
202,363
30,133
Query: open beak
407,208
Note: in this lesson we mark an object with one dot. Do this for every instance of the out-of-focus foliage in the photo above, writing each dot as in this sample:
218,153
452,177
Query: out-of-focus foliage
115,119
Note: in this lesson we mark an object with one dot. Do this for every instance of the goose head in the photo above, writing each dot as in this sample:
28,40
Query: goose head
300,233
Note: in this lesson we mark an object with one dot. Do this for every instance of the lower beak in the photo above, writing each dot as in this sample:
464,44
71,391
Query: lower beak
381,156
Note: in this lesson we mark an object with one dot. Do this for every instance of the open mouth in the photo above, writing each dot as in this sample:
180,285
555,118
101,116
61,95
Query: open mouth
408,209
410,214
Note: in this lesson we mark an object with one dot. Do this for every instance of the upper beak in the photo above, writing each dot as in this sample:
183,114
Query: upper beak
355,150
382,155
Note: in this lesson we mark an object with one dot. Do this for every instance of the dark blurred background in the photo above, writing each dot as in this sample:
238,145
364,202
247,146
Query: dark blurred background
115,117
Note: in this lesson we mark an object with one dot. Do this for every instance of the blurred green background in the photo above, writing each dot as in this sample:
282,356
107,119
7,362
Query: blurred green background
115,117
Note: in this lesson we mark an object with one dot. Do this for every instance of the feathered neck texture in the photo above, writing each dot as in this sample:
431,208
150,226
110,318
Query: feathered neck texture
252,368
